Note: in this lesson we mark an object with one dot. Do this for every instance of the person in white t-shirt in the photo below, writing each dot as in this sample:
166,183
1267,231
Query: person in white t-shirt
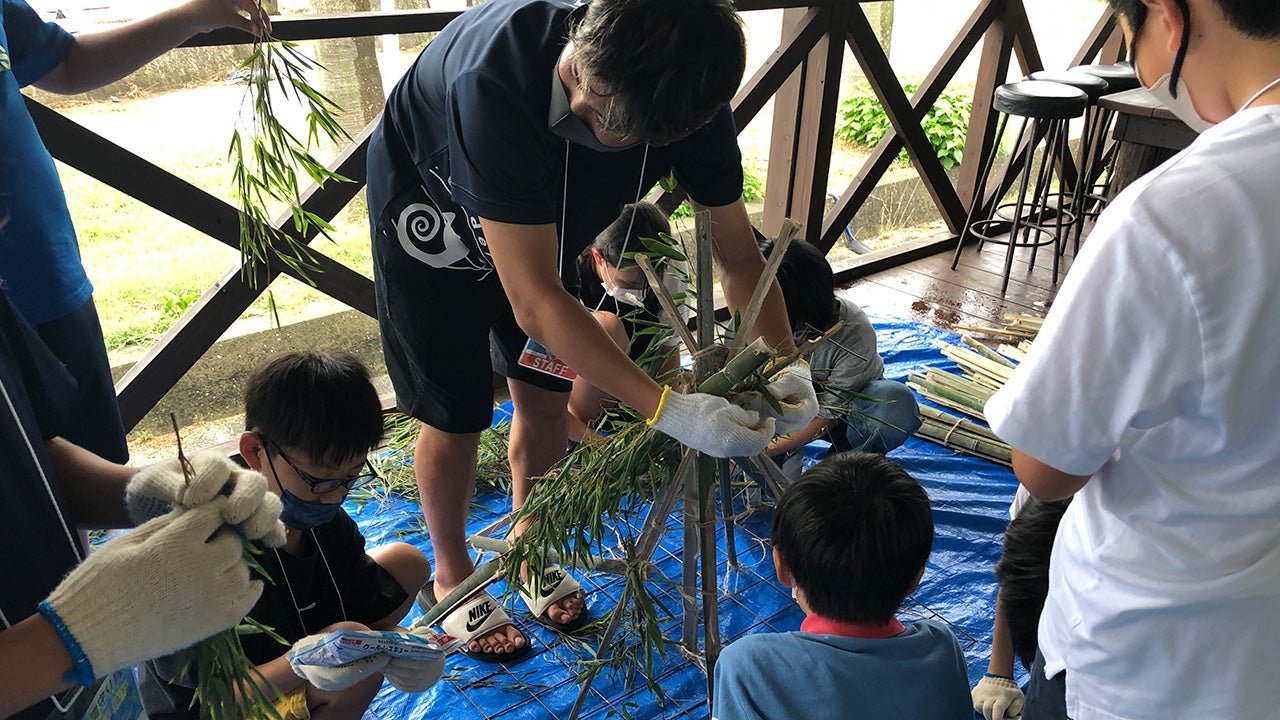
1151,392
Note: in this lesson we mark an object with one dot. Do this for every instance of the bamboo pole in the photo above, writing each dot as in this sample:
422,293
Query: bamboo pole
752,312
668,304
938,393
986,352
738,369
808,346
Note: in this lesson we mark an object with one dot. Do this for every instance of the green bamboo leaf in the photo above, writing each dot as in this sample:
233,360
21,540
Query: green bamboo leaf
660,248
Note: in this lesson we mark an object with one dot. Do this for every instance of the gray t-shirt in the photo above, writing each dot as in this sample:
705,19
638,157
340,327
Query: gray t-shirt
845,363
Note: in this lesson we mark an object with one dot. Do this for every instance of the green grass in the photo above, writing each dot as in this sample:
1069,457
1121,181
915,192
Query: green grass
147,267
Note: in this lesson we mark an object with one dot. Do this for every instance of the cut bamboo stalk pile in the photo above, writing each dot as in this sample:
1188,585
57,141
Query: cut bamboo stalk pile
1016,327
963,435
951,391
984,372
979,367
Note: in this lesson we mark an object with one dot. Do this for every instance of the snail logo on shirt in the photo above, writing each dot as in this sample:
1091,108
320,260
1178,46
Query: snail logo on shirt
433,234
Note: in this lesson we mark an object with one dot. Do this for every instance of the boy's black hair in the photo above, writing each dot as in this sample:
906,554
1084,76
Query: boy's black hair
649,220
1023,572
321,404
808,286
1255,18
667,66
854,531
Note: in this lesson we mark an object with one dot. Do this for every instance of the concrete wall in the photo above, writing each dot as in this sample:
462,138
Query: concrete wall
212,389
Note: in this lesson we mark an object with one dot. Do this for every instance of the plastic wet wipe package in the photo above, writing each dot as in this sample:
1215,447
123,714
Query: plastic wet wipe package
343,646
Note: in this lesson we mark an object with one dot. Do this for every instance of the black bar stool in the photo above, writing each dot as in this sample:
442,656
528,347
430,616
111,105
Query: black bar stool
1045,109
1094,87
1102,155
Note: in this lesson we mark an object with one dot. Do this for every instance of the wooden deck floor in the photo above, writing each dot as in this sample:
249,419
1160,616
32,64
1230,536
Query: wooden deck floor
929,291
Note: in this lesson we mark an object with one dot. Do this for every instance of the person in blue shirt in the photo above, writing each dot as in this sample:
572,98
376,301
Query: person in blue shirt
39,256
859,408
851,538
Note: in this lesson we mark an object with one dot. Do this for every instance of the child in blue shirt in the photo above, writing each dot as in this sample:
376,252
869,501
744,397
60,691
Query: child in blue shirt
851,537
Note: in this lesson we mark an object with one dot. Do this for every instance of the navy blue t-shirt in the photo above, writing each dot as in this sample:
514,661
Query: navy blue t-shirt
470,119
36,532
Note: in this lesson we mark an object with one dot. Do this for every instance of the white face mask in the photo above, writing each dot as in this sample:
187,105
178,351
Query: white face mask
627,296
1180,105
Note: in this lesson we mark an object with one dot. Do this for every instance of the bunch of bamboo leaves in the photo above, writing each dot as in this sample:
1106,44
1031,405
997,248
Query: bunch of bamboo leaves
395,464
268,154
228,684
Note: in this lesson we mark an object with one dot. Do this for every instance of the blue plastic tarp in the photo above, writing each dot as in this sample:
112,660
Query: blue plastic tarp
970,499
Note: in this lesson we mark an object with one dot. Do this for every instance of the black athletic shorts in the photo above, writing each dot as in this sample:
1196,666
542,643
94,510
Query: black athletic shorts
445,321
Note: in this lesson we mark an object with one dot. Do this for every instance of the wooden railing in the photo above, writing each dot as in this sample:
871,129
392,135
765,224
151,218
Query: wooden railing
803,73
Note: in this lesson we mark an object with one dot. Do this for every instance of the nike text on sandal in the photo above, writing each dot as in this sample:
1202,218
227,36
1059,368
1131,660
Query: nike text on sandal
556,585
476,617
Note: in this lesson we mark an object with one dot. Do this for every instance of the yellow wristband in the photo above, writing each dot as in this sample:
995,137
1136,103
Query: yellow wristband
662,402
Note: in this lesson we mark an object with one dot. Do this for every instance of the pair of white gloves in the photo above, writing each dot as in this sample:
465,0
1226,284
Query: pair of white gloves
997,698
405,674
177,578
717,427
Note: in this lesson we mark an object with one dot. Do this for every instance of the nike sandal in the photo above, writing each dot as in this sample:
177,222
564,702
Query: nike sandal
476,617
555,585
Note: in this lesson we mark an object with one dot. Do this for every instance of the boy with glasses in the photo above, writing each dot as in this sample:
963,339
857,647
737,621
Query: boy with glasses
311,420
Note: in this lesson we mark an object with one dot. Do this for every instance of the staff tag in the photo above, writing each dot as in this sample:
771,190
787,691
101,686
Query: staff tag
536,357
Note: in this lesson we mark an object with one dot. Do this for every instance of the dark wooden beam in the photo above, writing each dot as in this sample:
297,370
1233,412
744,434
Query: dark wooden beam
1102,34
883,155
325,27
798,40
784,139
1024,40
819,107
993,68
146,383
905,120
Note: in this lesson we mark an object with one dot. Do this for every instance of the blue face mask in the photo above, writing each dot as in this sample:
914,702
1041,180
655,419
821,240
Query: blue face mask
302,514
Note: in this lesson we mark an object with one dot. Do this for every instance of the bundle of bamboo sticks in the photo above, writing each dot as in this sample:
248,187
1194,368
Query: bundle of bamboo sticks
983,372
1016,327
963,435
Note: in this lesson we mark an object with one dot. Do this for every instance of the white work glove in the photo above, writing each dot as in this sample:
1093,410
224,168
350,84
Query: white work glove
412,675
711,424
338,677
156,489
997,697
793,389
161,587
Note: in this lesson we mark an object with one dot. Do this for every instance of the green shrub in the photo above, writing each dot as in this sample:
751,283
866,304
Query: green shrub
863,122
147,331
752,190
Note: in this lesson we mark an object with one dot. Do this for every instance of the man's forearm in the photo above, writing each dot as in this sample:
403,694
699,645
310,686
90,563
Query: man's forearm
98,58
33,662
94,487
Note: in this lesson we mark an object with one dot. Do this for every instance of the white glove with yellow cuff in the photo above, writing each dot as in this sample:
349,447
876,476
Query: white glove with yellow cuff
711,424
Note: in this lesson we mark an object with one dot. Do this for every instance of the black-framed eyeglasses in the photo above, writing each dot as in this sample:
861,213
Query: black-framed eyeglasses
324,486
